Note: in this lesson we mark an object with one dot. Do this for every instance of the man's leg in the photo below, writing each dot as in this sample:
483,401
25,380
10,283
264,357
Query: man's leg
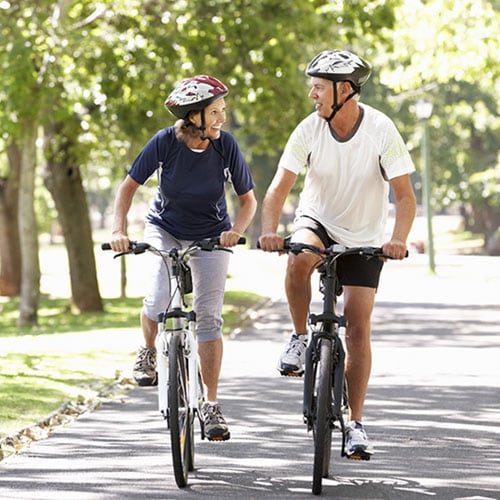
298,293
358,307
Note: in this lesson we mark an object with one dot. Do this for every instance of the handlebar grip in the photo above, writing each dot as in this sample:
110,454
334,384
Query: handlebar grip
242,240
105,246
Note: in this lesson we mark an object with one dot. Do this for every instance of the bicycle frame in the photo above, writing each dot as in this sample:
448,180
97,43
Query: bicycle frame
330,323
180,388
178,318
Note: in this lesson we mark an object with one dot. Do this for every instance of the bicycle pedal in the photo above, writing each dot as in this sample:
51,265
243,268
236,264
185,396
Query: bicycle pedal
359,456
291,374
219,438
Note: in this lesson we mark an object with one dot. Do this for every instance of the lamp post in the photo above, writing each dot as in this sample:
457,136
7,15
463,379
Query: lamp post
423,110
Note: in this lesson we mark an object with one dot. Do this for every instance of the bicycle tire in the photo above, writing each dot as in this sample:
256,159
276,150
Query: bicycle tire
322,421
181,418
201,399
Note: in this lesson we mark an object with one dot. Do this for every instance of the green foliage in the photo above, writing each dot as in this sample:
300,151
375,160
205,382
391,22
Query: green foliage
447,51
70,356
56,315
104,70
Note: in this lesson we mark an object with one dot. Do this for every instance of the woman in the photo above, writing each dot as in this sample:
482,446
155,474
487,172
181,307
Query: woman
193,161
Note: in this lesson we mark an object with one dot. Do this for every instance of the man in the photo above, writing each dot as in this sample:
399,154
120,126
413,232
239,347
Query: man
353,156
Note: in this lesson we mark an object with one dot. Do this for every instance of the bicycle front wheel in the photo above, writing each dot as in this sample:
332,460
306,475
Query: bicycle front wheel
201,399
322,420
180,416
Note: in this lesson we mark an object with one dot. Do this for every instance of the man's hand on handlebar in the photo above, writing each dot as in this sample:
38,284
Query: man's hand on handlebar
271,241
396,249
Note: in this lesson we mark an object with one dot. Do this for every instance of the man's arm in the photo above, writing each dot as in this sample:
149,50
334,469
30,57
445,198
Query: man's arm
405,205
272,206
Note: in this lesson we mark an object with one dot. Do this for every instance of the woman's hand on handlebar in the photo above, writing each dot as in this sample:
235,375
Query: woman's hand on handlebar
119,242
229,238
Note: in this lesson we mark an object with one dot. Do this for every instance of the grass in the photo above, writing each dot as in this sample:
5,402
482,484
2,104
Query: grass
73,356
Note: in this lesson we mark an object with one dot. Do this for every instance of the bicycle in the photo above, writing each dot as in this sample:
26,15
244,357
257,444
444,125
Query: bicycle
180,386
325,397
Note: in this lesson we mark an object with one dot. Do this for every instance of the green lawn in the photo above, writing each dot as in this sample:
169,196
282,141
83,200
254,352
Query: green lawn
71,357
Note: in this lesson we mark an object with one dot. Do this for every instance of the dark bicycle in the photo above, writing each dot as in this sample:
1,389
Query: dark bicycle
325,391
180,386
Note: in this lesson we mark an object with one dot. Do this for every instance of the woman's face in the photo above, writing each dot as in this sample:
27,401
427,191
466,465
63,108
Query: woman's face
215,117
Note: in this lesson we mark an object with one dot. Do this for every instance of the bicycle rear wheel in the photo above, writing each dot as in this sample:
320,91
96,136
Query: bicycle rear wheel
180,416
322,420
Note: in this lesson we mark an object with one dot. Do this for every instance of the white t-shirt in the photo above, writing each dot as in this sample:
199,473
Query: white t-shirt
344,188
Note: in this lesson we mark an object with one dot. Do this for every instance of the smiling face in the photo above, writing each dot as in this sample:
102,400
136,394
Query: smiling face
321,92
215,117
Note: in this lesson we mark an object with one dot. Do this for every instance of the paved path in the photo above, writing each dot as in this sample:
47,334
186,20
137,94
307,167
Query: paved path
432,411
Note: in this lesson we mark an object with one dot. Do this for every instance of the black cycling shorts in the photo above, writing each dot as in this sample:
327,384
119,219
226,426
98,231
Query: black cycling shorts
353,270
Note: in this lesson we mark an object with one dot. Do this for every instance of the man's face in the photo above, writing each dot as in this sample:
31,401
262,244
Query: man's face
321,92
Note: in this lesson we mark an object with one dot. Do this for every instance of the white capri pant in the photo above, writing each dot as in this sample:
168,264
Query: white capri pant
209,272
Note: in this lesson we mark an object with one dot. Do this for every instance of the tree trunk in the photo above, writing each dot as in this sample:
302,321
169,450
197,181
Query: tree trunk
28,231
64,181
10,247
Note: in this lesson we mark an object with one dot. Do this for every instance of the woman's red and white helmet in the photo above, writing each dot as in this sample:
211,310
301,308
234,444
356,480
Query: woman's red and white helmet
338,66
194,94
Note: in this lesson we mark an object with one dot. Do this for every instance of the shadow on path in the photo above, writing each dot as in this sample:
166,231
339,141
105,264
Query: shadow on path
435,436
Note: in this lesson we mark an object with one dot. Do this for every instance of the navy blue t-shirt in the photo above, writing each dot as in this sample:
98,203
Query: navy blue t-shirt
190,202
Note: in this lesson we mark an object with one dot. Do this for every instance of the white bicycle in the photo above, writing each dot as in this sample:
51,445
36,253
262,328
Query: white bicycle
180,386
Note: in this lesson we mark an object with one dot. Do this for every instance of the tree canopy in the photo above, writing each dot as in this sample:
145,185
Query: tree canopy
88,79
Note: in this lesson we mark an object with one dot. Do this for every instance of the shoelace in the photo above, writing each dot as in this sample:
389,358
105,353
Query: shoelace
213,415
295,345
145,359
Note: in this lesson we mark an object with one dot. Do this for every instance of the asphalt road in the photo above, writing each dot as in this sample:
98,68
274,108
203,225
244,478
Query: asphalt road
432,410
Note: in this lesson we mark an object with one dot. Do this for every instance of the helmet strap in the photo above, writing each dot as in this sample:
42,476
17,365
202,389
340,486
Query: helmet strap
202,127
336,106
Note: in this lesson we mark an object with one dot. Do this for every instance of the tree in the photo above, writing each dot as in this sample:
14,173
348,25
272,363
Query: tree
34,67
28,231
447,51
10,246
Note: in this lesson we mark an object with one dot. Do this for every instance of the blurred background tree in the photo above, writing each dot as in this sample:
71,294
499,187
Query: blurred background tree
83,85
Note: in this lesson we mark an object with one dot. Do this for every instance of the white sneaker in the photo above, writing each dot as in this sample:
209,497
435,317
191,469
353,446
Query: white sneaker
357,445
291,362
215,425
145,367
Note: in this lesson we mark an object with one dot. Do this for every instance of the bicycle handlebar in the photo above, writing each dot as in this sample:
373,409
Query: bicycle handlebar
334,250
207,244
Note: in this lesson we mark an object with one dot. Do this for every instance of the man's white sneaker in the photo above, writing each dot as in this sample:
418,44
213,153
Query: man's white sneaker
291,362
357,446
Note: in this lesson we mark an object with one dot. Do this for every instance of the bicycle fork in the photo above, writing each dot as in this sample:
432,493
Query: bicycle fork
338,381
190,350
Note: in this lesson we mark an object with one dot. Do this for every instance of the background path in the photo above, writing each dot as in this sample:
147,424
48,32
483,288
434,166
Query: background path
432,410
